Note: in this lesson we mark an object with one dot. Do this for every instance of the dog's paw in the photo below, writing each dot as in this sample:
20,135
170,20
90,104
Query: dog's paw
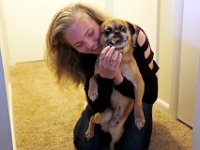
93,94
140,122
89,134
139,118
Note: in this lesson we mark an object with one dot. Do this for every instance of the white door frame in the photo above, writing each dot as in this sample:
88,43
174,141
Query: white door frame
196,128
177,19
5,130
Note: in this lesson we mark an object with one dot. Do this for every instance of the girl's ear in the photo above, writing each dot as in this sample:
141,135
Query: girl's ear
131,28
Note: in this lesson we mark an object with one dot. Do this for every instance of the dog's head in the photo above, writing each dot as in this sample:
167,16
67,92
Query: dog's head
117,33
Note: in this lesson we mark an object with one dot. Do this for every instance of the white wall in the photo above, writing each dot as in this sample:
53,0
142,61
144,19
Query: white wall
26,24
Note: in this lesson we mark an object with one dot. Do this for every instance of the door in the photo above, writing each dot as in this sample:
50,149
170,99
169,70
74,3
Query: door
190,46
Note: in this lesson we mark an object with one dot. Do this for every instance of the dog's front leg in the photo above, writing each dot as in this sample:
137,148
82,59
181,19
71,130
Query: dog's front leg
138,110
136,78
93,88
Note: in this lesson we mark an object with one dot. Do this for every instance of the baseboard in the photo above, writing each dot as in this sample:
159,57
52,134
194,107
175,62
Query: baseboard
160,103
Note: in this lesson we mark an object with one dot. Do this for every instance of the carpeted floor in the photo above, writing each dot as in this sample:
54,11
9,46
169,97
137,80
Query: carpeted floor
44,116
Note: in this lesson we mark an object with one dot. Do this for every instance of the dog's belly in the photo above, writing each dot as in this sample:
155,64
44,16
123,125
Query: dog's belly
120,102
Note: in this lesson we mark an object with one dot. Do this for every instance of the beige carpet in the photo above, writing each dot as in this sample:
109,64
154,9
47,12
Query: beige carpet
44,116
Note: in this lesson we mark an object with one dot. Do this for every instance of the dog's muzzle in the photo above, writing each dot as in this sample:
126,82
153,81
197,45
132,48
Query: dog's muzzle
117,40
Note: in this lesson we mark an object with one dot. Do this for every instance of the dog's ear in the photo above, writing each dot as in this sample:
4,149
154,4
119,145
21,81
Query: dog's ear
131,28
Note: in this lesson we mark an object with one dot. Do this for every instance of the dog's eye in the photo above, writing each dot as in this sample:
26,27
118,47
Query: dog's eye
107,31
122,28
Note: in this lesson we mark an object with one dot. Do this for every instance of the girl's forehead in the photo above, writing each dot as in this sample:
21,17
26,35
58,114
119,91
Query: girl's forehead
80,24
77,30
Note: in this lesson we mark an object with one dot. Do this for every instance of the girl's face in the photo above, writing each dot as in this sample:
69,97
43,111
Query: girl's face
84,35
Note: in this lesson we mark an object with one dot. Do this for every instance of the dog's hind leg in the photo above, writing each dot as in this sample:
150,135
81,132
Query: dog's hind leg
90,131
116,133
117,130
99,118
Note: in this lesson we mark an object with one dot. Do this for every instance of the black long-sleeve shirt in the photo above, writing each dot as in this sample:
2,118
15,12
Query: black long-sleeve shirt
105,86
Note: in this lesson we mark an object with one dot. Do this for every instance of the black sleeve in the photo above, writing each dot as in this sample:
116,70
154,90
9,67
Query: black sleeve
105,87
126,88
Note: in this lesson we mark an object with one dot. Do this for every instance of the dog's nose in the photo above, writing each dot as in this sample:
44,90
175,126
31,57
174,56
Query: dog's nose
117,33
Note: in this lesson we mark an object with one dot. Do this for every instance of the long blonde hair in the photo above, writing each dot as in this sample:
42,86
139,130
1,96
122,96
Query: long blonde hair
61,58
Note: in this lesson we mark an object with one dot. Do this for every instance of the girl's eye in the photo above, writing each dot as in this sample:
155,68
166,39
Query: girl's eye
78,45
122,28
107,31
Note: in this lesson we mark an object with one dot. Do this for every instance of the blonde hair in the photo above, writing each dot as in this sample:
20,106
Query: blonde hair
61,58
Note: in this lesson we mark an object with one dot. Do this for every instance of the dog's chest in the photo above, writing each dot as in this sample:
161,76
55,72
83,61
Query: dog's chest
127,70
119,101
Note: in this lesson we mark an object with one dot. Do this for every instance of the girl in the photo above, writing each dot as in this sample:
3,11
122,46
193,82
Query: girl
72,48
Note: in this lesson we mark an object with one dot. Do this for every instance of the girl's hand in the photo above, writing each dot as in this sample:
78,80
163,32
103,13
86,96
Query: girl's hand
109,64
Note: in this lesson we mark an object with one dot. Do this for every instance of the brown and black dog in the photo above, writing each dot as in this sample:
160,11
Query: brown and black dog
120,34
